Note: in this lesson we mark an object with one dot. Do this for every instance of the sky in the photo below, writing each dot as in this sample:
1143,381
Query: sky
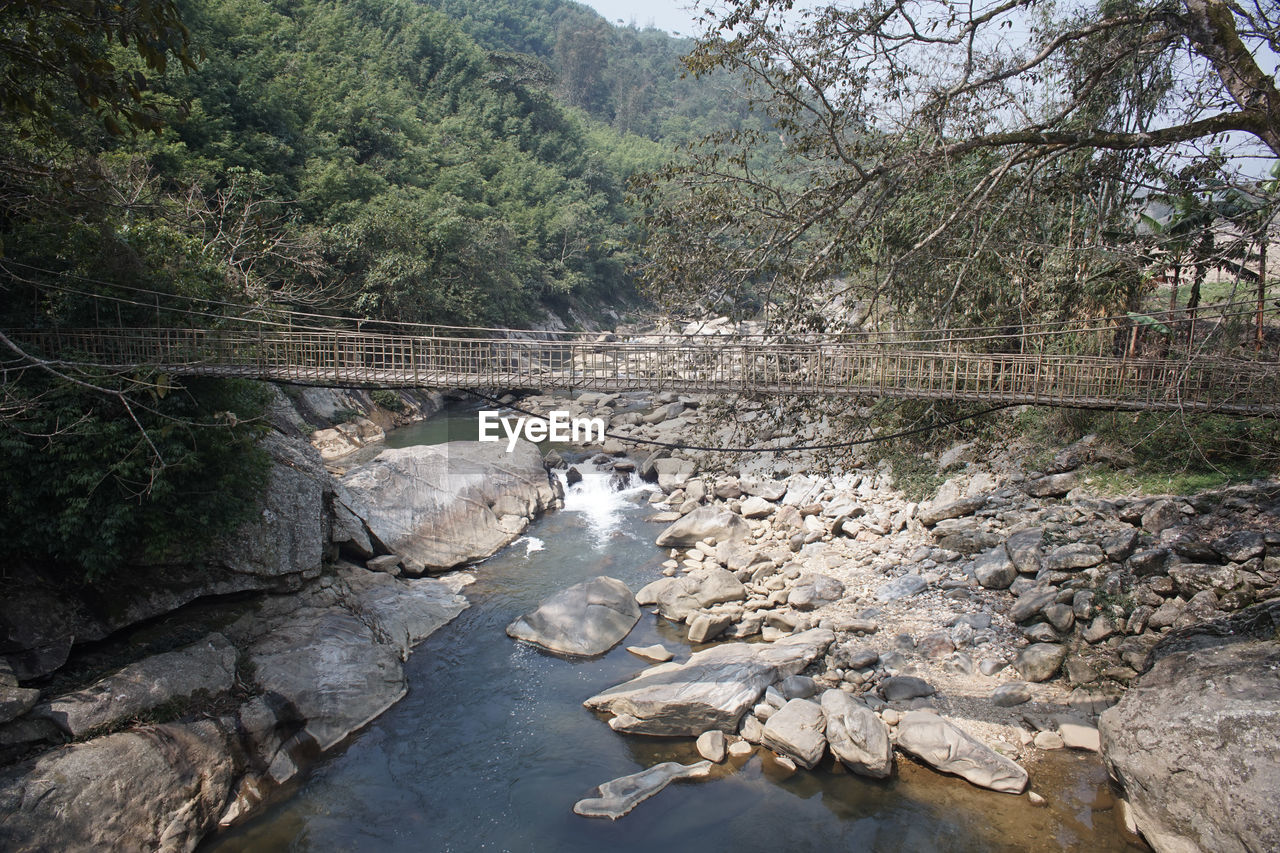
669,15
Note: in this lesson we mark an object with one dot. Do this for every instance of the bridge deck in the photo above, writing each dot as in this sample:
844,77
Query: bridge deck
694,364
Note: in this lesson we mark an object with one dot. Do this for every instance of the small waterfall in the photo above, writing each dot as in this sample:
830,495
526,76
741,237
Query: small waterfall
598,498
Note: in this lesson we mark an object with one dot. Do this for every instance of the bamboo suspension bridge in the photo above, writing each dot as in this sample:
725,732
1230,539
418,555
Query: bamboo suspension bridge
1071,365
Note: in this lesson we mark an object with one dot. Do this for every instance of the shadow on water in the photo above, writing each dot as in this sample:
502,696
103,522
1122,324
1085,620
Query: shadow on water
492,746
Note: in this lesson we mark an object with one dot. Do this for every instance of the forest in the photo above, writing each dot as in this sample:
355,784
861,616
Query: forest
482,162
374,158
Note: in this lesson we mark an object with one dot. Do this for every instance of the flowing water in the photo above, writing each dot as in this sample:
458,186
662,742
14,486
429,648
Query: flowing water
491,747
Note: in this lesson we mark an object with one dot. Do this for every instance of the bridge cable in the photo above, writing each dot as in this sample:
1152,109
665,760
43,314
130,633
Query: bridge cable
834,446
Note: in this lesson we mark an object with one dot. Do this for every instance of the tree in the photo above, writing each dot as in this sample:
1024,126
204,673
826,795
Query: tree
49,48
985,159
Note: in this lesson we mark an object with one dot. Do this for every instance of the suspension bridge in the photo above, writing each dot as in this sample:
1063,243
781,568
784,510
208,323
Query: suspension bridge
1075,365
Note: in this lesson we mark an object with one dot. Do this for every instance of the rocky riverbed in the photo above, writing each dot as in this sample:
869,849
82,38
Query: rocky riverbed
999,620
1012,615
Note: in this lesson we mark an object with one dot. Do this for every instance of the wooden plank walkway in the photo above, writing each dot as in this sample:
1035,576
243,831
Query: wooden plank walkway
675,363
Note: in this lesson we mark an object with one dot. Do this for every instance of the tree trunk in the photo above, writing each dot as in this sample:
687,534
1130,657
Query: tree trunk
1262,284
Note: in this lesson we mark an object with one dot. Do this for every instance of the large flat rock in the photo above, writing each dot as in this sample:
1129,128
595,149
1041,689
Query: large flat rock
706,521
434,506
1194,740
157,788
944,746
207,667
712,690
586,619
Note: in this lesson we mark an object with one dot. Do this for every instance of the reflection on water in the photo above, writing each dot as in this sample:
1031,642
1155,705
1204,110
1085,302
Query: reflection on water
491,747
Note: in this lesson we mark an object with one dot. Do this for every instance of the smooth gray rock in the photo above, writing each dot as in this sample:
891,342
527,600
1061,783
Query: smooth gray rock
158,788
902,687
657,652
797,730
705,521
756,507
207,667
1011,694
621,795
673,473
943,746
994,569
711,746
1161,515
1040,661
797,687
931,515
712,690
707,626
812,590
431,505
1053,486
903,587
700,588
338,667
586,619
857,737
1193,741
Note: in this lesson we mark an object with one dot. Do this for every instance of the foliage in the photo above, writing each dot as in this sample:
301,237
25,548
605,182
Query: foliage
387,399
935,168
62,42
82,487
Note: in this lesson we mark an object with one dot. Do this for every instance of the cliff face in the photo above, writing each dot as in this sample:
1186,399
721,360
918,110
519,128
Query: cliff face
316,656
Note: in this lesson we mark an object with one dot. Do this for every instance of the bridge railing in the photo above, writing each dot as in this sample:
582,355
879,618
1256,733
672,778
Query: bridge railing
728,364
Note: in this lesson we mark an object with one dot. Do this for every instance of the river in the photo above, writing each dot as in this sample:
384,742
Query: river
491,747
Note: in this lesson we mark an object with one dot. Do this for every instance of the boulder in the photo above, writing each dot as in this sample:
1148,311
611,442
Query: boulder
797,730
1193,741
657,653
712,690
1040,661
1077,555
338,667
1010,694
1032,602
756,507
16,701
673,473
156,788
897,688
1241,546
207,667
1023,549
812,590
711,745
706,521
586,619
623,794
281,544
696,590
931,515
994,569
857,737
943,746
431,505
1053,486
